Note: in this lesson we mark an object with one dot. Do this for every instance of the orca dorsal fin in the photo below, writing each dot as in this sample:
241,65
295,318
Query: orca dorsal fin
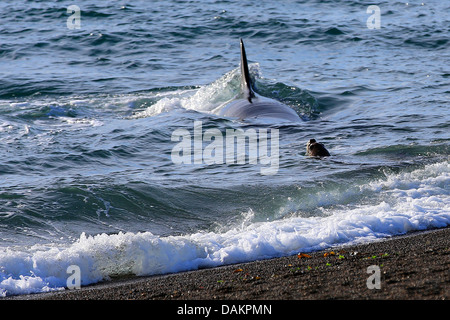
246,81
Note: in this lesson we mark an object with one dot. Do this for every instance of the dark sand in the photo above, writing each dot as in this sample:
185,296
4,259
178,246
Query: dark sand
415,266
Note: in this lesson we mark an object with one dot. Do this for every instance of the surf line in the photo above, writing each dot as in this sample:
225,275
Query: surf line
234,146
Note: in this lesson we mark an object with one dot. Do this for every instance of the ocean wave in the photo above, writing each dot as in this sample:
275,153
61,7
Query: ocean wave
405,201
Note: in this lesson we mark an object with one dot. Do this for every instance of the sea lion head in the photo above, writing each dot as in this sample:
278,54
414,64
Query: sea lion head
315,149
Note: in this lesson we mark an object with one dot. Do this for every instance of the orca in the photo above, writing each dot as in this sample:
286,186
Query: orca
251,105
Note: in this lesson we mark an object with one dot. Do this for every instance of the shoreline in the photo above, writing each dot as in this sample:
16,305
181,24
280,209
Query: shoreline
414,266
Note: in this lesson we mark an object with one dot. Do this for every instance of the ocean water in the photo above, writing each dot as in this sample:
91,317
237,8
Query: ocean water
87,118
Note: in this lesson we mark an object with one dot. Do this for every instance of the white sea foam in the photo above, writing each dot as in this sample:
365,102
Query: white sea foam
209,99
406,201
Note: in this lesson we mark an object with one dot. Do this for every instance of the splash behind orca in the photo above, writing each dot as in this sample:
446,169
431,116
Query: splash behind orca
252,105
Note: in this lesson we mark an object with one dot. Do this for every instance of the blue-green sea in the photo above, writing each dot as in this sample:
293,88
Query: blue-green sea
90,99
